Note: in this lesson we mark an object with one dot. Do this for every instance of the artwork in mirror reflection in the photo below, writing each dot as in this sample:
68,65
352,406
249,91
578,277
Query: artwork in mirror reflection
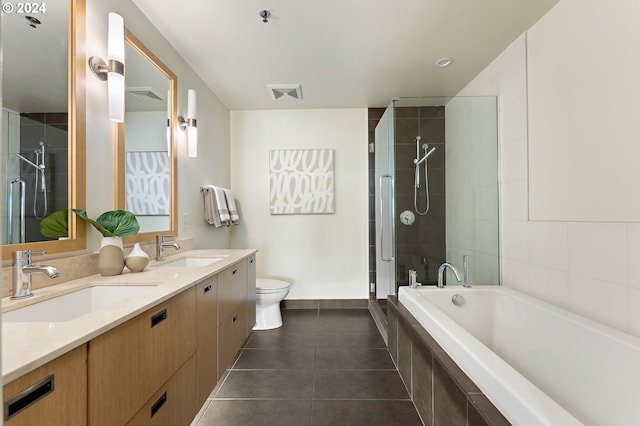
147,162
35,136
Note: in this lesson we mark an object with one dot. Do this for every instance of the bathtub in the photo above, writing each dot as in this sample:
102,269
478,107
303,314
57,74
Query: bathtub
538,364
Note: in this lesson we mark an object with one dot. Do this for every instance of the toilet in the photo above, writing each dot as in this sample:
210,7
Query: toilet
269,294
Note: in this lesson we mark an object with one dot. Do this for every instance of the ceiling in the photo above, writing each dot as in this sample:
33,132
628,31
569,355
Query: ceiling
344,53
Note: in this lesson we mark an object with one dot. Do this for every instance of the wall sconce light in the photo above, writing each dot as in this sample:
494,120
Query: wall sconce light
190,124
113,72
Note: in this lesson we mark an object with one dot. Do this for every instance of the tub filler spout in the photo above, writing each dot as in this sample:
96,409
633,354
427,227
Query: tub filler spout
441,271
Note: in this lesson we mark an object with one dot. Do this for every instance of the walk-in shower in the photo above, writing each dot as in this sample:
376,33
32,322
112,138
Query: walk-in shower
434,191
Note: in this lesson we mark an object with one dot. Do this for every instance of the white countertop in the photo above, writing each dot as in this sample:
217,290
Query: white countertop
29,345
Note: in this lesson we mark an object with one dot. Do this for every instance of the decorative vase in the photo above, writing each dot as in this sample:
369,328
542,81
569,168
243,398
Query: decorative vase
111,258
137,260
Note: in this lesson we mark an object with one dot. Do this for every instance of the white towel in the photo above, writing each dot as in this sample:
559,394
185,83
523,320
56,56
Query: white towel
231,203
215,205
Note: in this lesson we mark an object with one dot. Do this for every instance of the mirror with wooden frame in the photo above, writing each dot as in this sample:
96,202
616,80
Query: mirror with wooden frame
145,165
43,121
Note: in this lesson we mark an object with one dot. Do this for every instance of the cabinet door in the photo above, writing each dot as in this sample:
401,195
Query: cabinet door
129,363
231,334
232,289
174,403
207,352
57,390
251,292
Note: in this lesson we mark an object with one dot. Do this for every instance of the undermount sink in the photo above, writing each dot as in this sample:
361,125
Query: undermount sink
192,262
73,305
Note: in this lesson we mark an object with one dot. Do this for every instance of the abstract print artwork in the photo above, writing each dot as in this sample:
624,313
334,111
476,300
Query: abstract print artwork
147,183
302,181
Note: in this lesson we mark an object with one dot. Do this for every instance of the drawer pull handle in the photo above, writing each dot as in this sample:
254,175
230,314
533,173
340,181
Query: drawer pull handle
207,288
158,318
235,271
158,404
24,399
235,318
251,261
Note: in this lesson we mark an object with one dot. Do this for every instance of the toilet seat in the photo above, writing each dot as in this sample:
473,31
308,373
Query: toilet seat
268,285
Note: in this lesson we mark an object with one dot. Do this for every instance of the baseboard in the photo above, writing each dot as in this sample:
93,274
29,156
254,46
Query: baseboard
325,304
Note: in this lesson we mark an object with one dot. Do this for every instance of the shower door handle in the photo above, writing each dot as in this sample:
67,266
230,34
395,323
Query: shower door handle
380,185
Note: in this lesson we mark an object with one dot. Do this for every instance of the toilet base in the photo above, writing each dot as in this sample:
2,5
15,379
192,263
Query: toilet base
268,317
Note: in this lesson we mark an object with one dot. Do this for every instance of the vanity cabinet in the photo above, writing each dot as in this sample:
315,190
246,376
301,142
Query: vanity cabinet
130,363
57,392
251,291
206,327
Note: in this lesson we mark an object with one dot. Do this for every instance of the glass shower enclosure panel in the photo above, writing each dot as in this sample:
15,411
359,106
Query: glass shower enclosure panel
384,204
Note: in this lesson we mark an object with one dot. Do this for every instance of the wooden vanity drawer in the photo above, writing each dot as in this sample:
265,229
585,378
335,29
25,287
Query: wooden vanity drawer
129,363
231,334
232,289
175,402
62,389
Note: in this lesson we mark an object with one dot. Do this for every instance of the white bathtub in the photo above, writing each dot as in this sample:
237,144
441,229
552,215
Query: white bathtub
538,364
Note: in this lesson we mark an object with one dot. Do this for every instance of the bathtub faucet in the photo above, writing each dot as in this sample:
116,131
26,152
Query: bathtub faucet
413,278
441,271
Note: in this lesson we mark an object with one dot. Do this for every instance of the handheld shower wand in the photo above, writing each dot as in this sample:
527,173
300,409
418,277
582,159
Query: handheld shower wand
417,162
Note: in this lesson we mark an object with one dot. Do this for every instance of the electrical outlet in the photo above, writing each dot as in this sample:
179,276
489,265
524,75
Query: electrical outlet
185,220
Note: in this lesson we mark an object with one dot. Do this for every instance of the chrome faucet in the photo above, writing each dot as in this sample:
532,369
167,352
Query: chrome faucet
441,271
465,271
413,278
22,270
161,244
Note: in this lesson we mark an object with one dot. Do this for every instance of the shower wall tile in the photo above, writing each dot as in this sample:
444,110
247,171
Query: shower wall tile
515,241
633,255
516,167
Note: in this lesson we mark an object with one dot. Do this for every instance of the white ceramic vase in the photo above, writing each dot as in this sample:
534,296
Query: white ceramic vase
111,257
137,260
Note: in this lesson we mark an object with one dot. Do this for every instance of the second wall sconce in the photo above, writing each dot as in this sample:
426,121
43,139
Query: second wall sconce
190,124
113,71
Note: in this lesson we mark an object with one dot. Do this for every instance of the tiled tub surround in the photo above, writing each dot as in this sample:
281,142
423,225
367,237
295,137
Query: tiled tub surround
539,364
27,346
442,393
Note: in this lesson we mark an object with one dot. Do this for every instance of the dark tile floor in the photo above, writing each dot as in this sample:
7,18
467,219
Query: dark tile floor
322,367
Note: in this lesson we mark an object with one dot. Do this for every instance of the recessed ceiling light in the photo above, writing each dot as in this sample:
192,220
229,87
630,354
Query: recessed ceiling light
443,62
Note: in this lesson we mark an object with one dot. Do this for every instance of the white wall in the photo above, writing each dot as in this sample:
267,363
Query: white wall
583,68
586,267
323,256
212,163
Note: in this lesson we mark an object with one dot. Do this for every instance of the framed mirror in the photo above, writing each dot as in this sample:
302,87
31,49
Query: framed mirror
43,123
145,155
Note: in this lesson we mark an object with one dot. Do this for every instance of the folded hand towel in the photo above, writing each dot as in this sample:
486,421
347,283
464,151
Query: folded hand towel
231,203
216,210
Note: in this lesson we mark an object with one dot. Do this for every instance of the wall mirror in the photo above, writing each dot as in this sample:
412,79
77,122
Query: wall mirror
145,155
43,125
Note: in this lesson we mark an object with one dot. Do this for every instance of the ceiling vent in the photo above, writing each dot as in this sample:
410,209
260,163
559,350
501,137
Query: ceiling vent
285,92
144,94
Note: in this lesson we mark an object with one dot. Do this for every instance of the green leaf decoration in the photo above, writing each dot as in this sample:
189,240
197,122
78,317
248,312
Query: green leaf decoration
119,222
113,223
55,225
